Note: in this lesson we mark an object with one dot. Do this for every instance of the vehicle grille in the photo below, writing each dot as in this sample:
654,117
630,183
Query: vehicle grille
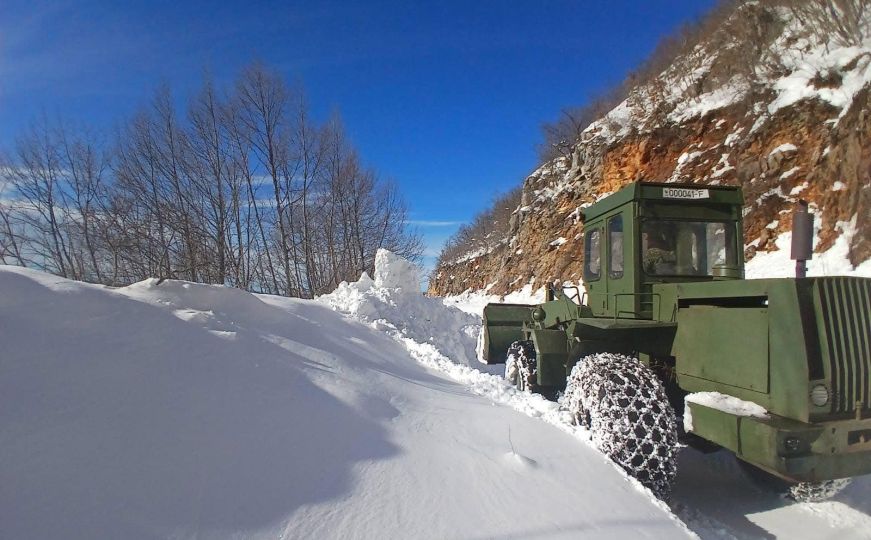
845,305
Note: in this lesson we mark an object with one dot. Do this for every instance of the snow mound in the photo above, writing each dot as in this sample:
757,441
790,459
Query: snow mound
192,296
444,338
125,414
395,272
393,301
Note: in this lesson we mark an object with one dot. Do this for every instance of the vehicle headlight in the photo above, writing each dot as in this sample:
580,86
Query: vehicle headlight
819,395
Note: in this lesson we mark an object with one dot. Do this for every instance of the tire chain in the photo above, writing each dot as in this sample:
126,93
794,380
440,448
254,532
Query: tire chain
817,491
520,363
625,408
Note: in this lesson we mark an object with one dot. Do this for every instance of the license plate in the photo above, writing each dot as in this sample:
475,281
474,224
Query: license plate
685,193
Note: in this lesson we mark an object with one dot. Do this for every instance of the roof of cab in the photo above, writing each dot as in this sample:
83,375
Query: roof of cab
672,192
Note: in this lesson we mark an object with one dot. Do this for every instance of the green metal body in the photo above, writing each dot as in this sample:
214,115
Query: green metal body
703,328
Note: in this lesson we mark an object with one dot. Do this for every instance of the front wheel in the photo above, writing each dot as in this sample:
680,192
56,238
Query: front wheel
520,365
625,408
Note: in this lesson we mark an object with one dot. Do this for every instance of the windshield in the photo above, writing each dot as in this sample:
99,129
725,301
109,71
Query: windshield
686,248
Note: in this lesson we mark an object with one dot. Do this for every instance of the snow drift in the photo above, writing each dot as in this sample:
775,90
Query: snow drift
178,410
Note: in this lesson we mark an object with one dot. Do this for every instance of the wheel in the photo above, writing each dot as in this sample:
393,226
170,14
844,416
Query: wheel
796,491
817,491
512,365
625,408
520,364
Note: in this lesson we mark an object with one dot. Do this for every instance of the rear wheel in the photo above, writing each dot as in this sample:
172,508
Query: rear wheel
817,491
796,491
625,408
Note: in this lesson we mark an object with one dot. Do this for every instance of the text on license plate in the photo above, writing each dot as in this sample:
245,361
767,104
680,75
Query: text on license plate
685,193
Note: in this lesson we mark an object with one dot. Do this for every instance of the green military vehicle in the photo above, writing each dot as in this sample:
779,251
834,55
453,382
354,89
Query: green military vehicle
776,370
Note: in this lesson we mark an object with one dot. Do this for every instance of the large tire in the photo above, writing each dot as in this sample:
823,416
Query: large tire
625,408
520,365
817,491
795,491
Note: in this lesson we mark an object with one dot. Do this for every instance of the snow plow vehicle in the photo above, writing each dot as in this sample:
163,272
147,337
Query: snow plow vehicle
777,371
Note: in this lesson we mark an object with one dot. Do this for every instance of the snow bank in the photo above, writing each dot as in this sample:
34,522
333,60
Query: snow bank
440,336
444,338
127,413
393,301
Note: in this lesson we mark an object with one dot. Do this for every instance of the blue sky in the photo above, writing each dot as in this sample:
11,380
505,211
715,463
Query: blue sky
446,97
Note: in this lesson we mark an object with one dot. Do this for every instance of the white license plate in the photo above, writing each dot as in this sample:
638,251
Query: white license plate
684,193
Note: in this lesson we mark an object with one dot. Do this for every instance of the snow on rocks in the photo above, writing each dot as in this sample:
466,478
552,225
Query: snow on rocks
823,61
833,262
782,152
473,302
719,98
786,148
558,242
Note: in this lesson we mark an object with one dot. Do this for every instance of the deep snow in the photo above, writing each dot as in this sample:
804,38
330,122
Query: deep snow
711,494
178,410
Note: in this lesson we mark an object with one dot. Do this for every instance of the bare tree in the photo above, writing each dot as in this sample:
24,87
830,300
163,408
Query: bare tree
209,160
85,165
246,190
35,173
846,22
10,252
263,108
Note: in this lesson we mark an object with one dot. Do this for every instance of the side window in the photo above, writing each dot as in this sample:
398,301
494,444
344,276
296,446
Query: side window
593,255
615,241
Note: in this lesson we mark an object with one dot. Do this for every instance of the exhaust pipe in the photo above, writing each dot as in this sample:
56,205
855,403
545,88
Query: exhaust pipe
802,238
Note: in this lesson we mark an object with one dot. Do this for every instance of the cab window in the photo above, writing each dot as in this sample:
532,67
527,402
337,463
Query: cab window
593,255
687,248
615,242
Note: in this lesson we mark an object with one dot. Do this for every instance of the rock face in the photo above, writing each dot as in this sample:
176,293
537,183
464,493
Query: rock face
783,134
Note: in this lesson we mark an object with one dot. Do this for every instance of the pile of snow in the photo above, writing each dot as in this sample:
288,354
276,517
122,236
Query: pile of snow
393,301
437,335
441,337
180,410
395,272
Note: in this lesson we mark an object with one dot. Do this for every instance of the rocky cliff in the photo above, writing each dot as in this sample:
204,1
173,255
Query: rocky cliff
770,102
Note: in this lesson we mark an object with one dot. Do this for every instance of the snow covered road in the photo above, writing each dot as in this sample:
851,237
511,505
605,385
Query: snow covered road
178,410
712,495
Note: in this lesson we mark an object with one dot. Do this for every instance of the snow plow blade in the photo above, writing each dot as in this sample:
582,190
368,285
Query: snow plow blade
503,325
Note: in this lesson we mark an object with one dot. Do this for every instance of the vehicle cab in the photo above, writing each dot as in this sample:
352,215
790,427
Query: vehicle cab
650,233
